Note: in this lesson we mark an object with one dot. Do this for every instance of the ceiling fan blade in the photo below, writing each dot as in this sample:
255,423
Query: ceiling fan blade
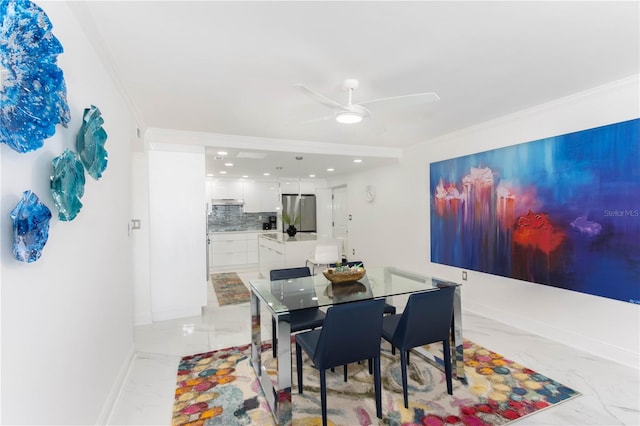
320,98
415,98
316,120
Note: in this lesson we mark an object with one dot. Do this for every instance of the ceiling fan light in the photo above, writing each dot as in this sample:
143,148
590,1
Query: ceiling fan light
348,117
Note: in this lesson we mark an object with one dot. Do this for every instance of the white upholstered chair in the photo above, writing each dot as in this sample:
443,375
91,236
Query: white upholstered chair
324,255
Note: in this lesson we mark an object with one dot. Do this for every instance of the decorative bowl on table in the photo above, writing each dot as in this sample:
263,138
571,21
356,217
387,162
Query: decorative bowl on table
346,275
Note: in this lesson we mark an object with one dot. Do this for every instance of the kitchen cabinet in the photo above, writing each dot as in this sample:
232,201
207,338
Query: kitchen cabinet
222,189
293,187
228,250
252,248
278,250
271,254
261,197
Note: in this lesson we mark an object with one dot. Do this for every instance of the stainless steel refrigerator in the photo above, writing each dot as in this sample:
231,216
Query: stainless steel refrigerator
303,206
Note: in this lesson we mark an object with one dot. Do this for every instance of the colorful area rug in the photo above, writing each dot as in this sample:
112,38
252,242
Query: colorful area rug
220,388
229,288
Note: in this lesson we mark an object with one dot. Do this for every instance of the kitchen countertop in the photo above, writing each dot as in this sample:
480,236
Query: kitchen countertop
250,231
284,238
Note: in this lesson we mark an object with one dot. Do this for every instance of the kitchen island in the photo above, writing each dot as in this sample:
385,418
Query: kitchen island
277,250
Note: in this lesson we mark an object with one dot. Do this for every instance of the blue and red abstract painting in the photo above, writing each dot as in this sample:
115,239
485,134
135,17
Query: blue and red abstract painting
562,211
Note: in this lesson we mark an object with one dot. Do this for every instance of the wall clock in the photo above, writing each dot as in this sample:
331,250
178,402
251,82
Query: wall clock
369,193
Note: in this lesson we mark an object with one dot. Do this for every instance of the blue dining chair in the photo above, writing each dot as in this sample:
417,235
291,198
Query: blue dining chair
305,319
388,309
426,319
351,332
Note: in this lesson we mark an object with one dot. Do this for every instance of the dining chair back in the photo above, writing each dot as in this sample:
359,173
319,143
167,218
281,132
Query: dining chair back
426,319
351,332
283,274
306,319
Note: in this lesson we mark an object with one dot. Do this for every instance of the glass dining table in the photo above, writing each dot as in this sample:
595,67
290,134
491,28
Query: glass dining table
284,296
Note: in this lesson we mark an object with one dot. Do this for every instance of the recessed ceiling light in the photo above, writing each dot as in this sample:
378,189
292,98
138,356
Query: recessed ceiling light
210,174
357,160
228,164
245,176
222,153
266,174
330,170
312,175
223,172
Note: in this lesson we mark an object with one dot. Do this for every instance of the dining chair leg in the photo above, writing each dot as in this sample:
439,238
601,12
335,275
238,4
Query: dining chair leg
299,366
369,361
345,373
403,367
447,365
377,379
274,339
323,396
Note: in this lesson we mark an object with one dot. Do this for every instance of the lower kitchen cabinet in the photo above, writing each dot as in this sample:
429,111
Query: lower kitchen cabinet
272,256
229,250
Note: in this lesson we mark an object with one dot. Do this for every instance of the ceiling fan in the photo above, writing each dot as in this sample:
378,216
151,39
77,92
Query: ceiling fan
351,113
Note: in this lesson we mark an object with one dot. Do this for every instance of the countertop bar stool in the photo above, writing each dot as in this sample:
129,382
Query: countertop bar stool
324,255
426,319
306,319
351,332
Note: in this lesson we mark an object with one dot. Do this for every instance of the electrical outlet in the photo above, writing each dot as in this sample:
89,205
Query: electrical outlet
353,252
464,275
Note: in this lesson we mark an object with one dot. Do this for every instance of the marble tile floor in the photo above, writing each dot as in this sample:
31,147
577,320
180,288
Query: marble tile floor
610,391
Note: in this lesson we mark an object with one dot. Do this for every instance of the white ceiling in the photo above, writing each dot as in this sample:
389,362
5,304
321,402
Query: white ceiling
229,68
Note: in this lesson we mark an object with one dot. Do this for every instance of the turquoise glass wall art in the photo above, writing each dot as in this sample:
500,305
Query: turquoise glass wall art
90,142
30,227
33,96
67,184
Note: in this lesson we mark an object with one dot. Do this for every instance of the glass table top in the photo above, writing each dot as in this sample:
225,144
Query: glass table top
288,295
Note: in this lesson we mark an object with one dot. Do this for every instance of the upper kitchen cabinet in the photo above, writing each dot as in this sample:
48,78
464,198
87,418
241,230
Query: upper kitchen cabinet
221,189
261,197
295,187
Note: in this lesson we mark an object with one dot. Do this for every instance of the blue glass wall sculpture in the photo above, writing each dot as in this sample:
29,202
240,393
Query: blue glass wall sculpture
90,142
30,227
67,184
34,95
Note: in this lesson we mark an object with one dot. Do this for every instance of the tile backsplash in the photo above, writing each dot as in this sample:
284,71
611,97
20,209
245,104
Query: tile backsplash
233,218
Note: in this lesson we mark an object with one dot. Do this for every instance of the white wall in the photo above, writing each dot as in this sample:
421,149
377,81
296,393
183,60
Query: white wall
177,231
67,319
400,218
140,238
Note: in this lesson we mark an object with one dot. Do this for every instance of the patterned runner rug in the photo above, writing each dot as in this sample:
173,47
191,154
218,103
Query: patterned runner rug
220,388
229,288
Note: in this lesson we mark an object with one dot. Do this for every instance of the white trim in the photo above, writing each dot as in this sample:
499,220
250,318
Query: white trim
170,314
142,319
564,336
112,399
629,83
157,135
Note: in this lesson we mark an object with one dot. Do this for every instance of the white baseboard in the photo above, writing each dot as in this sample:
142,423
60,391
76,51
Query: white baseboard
143,319
116,388
176,313
566,337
